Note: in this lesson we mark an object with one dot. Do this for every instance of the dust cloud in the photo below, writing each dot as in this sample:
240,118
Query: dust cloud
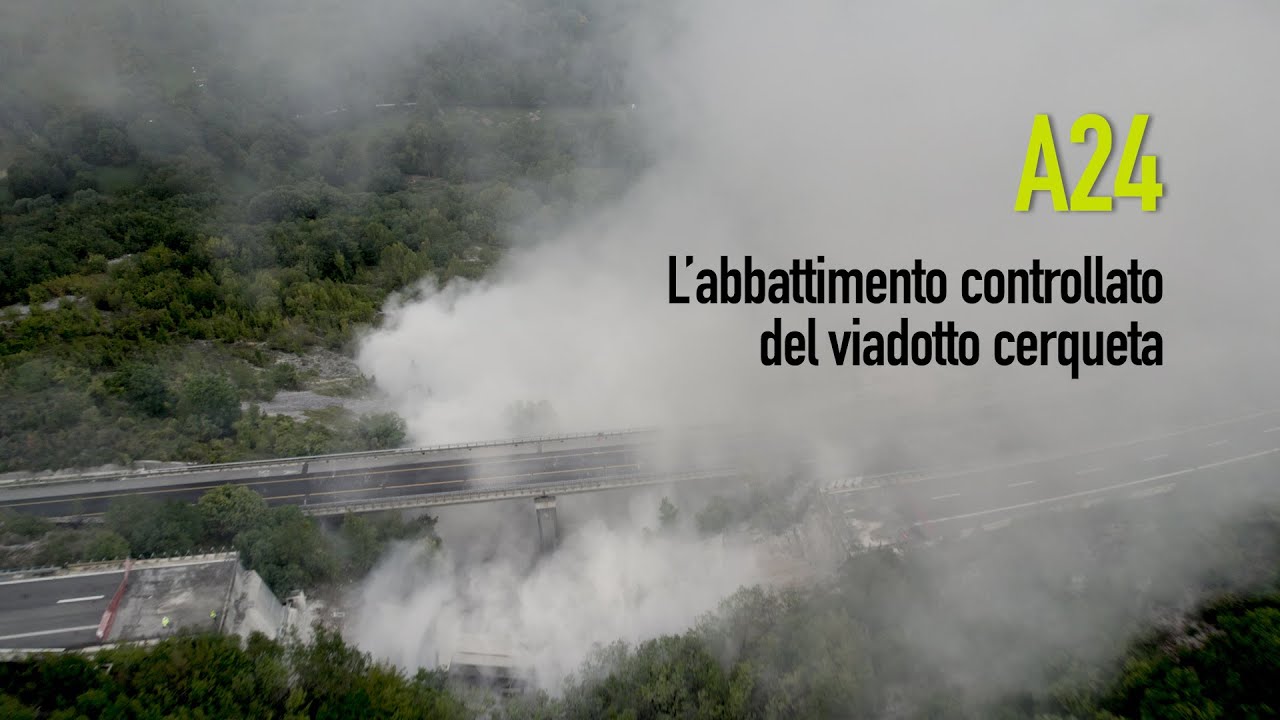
872,134
613,578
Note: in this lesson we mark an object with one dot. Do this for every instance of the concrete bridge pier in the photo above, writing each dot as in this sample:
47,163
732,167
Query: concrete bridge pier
548,527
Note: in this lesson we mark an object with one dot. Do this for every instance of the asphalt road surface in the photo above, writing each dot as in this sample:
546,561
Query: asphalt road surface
307,487
940,502
56,612
931,500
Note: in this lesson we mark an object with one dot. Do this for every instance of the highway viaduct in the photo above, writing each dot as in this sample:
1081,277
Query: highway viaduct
328,485
928,502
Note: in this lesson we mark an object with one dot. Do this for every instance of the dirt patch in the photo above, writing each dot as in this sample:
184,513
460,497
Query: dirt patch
324,365
298,403
331,380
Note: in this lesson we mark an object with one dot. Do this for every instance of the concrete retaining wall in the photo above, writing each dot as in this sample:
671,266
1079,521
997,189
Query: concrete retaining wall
254,608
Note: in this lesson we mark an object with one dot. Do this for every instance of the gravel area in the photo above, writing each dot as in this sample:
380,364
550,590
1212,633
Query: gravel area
326,364
325,370
296,403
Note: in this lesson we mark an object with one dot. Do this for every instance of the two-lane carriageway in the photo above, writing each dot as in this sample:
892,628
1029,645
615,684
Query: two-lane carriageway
306,485
939,502
55,612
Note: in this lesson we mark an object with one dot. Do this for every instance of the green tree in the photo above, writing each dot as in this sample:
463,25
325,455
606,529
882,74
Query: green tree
144,387
283,376
212,398
33,176
156,528
23,527
61,547
11,708
380,431
288,550
229,510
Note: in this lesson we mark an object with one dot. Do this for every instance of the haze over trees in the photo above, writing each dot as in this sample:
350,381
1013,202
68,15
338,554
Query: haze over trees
197,198
187,201
849,647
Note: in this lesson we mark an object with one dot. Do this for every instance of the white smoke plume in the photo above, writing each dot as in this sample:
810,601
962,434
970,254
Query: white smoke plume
624,578
872,134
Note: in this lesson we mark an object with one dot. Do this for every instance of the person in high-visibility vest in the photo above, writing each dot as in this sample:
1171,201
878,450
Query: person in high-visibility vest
213,614
164,622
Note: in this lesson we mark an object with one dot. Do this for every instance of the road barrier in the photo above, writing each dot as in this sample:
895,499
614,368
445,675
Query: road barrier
108,617
248,465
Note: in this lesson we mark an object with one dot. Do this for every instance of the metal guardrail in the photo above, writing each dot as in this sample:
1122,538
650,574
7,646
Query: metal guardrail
25,572
265,464
463,497
204,554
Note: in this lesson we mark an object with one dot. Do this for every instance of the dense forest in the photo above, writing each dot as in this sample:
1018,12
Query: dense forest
191,204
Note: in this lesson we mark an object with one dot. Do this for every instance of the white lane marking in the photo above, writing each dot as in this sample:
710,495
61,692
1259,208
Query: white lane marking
1274,429
1089,471
86,598
1094,491
924,474
944,497
1155,457
1217,443
82,628
1020,484
51,578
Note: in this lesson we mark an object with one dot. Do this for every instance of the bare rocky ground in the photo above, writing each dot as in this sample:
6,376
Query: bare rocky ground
334,381
298,403
328,366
